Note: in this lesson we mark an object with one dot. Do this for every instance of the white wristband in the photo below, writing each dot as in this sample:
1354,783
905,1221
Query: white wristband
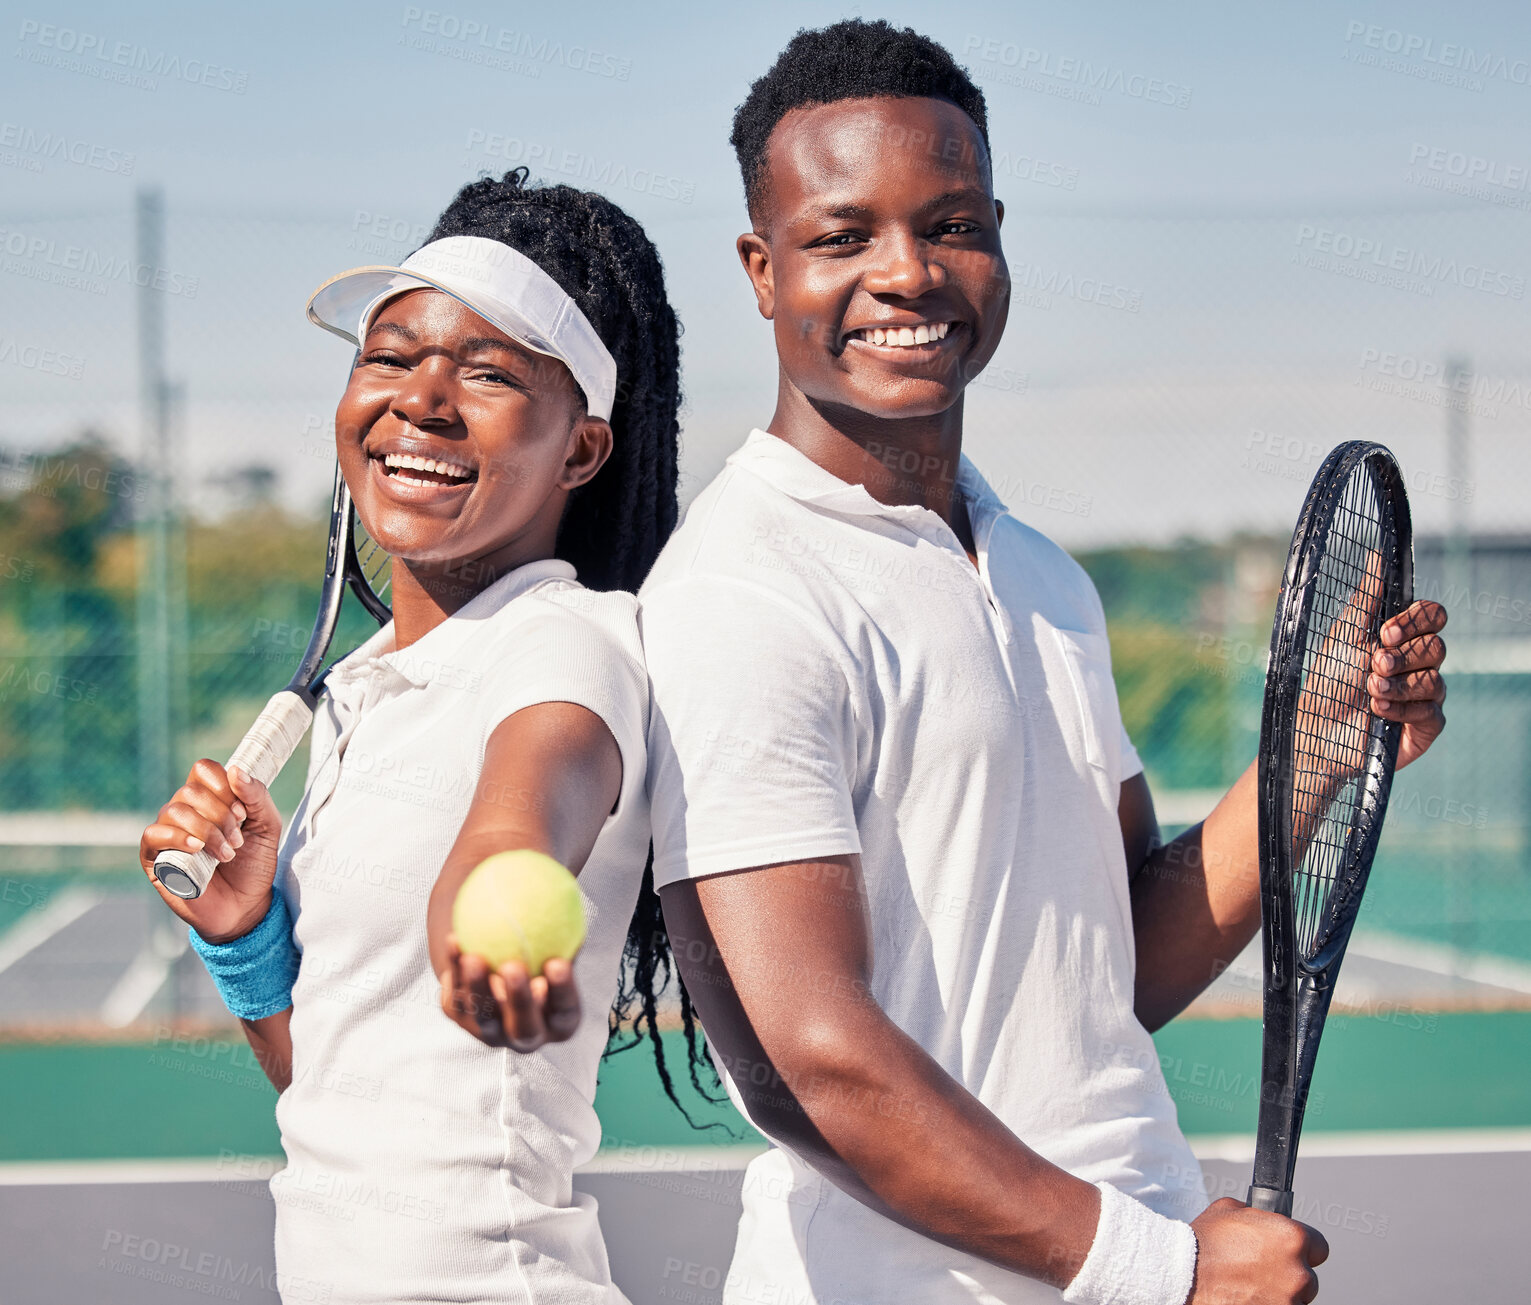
1137,1258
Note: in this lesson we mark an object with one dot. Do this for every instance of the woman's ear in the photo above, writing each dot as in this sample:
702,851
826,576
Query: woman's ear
755,254
590,444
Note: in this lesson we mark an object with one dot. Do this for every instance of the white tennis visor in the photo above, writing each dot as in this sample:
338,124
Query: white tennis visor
502,285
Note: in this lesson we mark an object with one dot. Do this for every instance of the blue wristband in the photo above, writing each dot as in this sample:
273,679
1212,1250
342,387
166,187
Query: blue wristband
255,972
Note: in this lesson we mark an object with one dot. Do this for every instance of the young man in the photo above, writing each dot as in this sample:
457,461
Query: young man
905,850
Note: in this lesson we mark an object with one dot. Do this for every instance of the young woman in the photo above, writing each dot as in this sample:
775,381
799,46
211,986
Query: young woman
509,435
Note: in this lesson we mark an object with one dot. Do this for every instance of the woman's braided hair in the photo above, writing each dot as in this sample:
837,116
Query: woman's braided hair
615,525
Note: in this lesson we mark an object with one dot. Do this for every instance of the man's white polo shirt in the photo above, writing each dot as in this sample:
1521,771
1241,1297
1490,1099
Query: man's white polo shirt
831,675
423,1165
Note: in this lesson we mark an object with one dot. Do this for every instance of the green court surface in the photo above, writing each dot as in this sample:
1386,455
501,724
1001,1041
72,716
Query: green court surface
199,1098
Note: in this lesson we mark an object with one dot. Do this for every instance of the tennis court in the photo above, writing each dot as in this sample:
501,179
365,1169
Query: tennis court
134,1160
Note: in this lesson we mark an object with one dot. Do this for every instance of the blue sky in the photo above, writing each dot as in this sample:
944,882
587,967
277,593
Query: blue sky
1222,177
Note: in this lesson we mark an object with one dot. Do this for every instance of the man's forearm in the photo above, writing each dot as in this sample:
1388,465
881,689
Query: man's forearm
862,1102
1196,904
777,961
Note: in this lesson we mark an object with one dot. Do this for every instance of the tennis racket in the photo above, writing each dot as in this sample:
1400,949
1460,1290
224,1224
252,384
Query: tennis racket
353,558
1326,768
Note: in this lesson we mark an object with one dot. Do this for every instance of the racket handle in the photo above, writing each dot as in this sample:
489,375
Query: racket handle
261,755
1270,1198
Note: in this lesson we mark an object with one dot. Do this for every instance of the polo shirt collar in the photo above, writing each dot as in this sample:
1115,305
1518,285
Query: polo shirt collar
418,664
797,475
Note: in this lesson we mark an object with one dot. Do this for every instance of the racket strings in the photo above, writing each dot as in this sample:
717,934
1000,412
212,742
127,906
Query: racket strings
1335,743
374,564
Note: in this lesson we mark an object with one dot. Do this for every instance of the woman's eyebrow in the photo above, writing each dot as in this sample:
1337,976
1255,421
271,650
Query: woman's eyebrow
471,344
393,328
476,342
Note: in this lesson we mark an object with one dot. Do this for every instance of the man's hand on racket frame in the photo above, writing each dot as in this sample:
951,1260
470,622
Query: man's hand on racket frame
552,774
1405,683
1196,899
234,817
1398,678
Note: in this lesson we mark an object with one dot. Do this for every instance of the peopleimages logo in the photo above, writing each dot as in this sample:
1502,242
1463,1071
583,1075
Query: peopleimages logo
98,56
1379,367
59,148
475,41
48,361
1469,167
1082,76
1381,256
94,267
605,174
1444,56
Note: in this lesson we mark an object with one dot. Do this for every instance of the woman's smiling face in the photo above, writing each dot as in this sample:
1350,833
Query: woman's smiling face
458,443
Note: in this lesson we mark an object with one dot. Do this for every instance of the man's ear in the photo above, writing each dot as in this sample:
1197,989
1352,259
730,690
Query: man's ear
755,254
999,210
590,443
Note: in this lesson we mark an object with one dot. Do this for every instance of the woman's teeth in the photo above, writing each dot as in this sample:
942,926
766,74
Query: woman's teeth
901,337
399,463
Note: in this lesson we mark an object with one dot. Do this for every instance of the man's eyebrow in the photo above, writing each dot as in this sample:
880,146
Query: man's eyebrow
963,195
850,211
847,212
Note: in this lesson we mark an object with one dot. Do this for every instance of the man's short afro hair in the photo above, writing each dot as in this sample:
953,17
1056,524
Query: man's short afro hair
851,60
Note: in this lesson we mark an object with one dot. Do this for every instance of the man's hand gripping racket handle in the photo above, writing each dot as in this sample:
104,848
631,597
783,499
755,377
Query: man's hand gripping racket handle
1272,1199
261,755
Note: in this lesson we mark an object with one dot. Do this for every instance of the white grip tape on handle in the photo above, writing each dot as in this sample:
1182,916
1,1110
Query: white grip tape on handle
261,755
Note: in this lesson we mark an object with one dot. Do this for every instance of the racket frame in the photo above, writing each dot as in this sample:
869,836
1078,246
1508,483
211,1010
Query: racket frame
1298,990
184,874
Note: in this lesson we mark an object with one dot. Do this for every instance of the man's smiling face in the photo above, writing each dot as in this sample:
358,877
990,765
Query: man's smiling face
877,255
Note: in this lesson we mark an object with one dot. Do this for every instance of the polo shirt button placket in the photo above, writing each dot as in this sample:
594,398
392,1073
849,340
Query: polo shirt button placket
327,779
998,616
355,696
945,538
999,622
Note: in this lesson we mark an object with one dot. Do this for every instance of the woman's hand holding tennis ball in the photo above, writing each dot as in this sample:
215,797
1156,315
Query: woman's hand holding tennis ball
517,922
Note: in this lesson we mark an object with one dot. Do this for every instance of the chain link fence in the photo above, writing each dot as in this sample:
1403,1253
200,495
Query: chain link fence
1167,388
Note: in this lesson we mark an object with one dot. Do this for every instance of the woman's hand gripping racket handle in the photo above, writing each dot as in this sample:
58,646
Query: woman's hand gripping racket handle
261,755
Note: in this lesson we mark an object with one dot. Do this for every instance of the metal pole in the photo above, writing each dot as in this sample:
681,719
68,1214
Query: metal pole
155,749
1459,577
178,639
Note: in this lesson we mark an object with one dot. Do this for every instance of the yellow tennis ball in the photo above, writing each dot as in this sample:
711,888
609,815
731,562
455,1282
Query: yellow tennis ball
519,906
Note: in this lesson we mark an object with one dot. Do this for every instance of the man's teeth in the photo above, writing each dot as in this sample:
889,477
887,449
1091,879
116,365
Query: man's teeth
901,337
410,462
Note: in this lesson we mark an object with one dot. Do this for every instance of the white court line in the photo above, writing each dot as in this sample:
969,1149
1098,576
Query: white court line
724,1159
36,927
144,977
71,829
1437,958
671,1159
1421,1141
63,1173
